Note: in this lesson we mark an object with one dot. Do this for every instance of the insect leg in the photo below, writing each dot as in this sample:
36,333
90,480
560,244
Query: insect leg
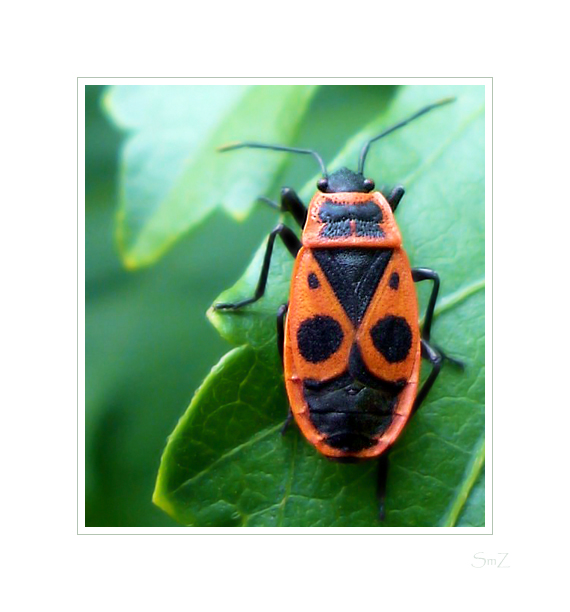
281,314
436,359
395,196
293,244
290,202
421,274
381,485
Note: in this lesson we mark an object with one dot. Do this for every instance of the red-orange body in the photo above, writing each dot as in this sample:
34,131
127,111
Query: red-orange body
357,368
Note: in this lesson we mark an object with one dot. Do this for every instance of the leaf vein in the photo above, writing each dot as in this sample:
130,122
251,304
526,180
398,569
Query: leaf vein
471,473
259,436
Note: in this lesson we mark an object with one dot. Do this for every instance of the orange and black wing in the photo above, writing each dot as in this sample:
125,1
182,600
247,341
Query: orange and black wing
351,348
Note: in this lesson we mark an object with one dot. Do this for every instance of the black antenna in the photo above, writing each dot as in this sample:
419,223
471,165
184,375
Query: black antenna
421,112
258,145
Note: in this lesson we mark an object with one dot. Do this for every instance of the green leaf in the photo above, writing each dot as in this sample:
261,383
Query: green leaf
226,462
172,177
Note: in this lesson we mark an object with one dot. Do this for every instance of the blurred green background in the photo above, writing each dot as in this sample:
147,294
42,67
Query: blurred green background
148,342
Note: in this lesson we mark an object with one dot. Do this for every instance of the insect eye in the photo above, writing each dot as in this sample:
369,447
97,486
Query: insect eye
322,184
369,184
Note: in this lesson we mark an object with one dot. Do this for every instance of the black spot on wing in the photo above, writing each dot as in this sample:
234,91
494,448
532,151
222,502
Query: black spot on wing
392,337
318,338
313,281
394,280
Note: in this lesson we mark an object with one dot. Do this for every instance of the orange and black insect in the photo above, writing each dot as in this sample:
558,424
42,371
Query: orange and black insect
349,337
